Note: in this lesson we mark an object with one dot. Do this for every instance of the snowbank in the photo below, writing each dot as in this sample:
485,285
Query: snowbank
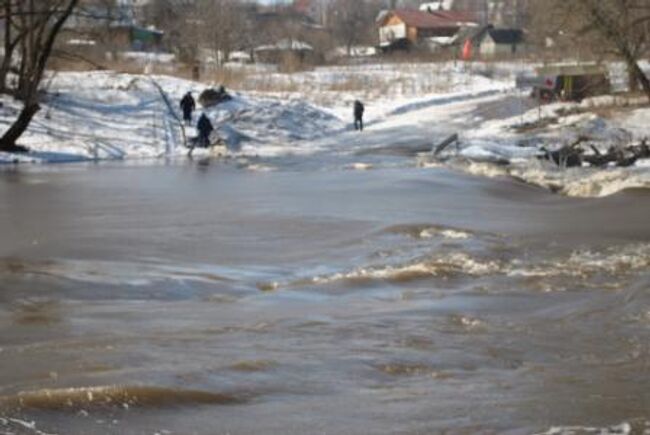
105,115
512,147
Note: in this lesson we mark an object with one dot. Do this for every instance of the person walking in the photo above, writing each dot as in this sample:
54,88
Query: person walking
187,106
358,115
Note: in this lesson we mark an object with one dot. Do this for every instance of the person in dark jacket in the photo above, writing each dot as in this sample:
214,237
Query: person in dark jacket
358,115
188,105
205,128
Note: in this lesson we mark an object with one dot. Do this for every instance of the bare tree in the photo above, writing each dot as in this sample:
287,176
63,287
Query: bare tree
221,25
12,38
351,21
606,28
623,26
178,21
39,22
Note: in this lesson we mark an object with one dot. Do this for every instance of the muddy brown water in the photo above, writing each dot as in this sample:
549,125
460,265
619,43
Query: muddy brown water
208,299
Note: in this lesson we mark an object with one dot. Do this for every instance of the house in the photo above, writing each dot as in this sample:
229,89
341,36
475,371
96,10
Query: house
283,51
499,43
488,42
109,27
131,37
413,28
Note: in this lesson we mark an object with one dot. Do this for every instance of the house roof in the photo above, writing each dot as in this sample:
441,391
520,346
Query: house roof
457,16
431,20
506,36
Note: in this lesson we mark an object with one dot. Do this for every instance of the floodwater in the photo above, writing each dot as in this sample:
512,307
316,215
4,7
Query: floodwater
210,298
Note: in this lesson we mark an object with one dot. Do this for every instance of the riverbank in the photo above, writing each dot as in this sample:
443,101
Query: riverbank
110,116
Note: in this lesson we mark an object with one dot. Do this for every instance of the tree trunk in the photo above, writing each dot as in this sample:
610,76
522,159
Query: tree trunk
8,141
35,49
6,62
609,30
632,80
641,78
4,71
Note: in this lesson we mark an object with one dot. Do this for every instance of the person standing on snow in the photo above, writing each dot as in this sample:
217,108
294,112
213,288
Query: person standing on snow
188,105
205,128
358,115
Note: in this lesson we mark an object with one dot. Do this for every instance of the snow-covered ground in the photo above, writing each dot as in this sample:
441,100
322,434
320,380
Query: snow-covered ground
105,115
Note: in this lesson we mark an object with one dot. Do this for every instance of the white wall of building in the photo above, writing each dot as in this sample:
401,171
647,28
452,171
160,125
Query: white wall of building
490,49
388,34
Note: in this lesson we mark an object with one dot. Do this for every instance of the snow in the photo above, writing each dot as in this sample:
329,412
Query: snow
146,57
108,115
286,44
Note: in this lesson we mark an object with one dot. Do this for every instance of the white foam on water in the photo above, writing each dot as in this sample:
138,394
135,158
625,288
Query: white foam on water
359,166
630,258
578,264
260,168
114,396
453,234
622,429
467,322
24,425
427,232
621,260
452,264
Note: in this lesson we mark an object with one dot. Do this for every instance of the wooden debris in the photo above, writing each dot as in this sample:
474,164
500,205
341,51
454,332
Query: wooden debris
569,156
445,143
574,156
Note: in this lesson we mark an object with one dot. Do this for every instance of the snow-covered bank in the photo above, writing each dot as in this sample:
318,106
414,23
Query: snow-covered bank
105,115
409,107
576,182
513,146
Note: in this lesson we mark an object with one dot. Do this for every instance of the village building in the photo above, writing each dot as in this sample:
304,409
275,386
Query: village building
502,43
404,29
109,27
285,51
489,42
131,37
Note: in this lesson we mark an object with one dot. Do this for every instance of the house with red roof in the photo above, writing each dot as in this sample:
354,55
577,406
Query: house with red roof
404,28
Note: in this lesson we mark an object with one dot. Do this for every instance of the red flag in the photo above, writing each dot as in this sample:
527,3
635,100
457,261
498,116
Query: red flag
467,50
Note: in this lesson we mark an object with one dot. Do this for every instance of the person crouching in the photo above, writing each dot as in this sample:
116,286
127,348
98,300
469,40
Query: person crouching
205,128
